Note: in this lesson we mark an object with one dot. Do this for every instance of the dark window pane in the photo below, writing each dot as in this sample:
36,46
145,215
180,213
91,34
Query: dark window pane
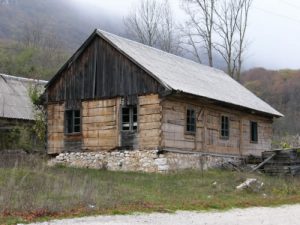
190,120
134,118
77,113
254,135
125,118
224,126
125,111
72,121
77,121
76,129
192,128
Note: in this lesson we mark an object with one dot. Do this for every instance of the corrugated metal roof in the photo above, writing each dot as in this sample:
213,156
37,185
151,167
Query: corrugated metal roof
14,97
184,75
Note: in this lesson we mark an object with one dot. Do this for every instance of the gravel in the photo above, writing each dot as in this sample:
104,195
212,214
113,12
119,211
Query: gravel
283,215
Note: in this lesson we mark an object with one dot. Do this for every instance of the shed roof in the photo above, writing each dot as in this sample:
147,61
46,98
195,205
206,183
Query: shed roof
14,97
181,74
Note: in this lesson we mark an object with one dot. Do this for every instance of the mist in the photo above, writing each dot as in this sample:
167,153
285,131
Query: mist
273,31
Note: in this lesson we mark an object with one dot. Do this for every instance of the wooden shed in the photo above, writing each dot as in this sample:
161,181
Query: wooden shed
114,93
16,110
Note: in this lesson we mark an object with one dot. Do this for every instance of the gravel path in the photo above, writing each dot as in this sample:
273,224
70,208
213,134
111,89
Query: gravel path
283,215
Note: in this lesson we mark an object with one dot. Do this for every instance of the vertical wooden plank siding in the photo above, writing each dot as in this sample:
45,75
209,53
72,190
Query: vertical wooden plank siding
55,124
149,129
99,125
101,72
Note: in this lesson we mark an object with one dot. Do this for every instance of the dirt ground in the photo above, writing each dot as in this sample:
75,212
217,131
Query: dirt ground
283,215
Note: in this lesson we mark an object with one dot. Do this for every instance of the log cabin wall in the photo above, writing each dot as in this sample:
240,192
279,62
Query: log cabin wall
100,124
150,115
207,137
265,133
173,126
55,128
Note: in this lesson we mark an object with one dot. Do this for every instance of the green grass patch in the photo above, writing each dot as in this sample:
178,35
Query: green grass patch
30,193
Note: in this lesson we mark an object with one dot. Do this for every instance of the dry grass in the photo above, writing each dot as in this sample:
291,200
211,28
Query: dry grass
29,191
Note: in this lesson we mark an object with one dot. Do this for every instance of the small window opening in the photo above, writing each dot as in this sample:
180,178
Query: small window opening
253,131
129,118
190,121
225,127
73,121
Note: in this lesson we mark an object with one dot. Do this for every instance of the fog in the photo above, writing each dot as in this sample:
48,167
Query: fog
273,32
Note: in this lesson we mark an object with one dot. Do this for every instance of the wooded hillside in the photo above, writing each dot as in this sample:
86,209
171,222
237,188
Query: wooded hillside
282,90
37,37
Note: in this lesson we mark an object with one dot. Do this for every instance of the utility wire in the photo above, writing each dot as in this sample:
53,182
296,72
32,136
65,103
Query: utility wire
289,3
278,14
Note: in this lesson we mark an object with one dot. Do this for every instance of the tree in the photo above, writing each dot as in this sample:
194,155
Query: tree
199,32
242,28
169,38
151,23
232,19
219,27
39,127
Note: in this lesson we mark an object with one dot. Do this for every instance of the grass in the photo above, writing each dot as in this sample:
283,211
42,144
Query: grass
32,191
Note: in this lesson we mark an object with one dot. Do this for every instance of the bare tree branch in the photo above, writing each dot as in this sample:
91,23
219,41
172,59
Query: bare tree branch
231,24
200,26
152,23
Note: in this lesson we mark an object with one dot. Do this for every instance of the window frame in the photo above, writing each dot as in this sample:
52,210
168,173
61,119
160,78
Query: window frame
188,121
253,138
133,118
223,129
70,114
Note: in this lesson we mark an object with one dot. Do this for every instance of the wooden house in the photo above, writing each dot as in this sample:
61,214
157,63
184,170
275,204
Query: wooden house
16,110
116,94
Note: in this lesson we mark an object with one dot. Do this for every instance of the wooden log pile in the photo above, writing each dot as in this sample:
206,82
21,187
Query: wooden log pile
284,162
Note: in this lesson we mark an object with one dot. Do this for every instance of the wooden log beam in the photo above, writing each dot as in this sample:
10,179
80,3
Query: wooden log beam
263,163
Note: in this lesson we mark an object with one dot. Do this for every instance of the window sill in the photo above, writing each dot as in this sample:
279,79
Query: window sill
73,134
127,131
191,134
224,138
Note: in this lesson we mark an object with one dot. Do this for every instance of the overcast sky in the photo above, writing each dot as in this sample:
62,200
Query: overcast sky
273,33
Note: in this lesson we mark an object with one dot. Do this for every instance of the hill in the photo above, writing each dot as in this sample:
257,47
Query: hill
36,36
281,89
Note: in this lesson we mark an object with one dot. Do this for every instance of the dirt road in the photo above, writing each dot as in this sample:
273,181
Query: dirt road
283,215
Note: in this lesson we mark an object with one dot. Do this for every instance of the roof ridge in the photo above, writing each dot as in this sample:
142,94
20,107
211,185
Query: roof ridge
6,76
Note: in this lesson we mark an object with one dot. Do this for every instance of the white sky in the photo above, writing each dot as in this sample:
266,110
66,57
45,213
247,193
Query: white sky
273,32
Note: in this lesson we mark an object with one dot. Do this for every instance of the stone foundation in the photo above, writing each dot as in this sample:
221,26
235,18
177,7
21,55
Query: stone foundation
140,160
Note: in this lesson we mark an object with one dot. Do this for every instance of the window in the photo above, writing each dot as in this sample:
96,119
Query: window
190,121
129,118
73,121
225,127
253,131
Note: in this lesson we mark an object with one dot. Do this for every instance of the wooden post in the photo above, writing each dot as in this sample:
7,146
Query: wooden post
241,136
204,129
